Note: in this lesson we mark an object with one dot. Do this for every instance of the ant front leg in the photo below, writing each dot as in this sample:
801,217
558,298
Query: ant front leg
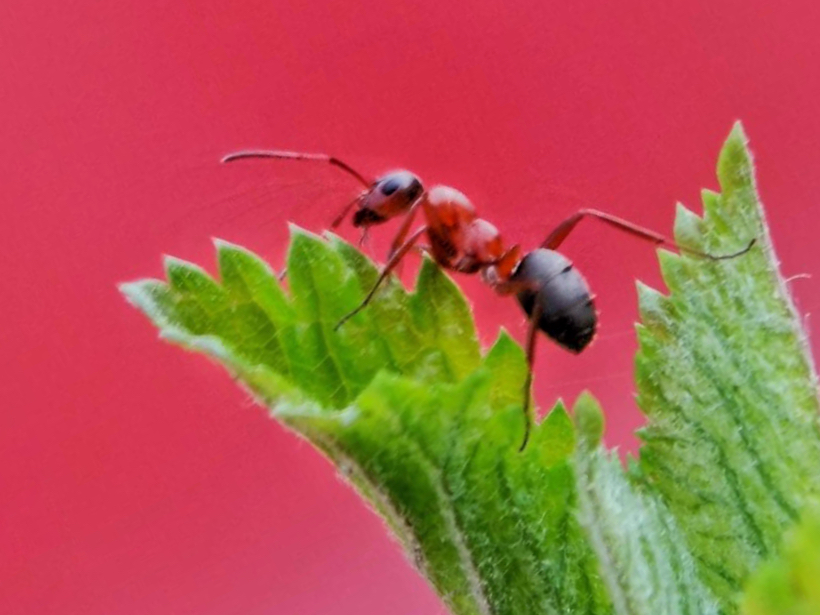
390,266
346,210
398,240
562,231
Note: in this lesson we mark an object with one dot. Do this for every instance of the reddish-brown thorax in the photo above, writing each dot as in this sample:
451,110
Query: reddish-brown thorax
463,242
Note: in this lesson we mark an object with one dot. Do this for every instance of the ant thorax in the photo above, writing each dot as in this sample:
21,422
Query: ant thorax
447,209
483,242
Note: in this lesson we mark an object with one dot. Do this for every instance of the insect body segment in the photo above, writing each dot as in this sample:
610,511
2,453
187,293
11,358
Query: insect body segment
567,313
553,294
389,196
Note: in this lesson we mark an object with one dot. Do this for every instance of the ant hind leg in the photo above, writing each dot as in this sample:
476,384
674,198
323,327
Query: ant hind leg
532,334
556,238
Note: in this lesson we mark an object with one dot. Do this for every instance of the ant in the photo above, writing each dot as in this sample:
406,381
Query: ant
554,295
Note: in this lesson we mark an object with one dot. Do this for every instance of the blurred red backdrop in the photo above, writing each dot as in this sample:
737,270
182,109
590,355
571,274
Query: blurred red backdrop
137,478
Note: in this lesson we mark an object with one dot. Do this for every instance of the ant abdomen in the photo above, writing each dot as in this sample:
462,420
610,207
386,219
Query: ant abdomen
567,313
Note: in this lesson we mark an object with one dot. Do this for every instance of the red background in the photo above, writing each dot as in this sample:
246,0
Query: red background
136,478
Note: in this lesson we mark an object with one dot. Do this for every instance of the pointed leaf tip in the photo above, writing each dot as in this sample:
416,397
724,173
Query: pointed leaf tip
224,244
589,419
132,291
735,162
555,437
738,132
294,230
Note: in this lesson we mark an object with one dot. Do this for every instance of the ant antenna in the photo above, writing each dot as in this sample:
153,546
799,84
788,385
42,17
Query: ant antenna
285,155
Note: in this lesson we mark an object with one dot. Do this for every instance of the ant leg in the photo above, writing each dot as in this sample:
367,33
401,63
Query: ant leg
345,210
561,232
363,239
398,240
391,264
421,251
532,333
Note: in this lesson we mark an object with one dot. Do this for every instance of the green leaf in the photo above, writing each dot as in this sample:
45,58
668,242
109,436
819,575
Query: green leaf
402,400
642,554
728,387
788,585
426,426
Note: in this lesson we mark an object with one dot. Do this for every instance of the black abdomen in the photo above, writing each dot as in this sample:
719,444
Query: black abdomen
567,312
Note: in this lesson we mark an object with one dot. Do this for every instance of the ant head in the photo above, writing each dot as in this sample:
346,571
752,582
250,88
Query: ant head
391,195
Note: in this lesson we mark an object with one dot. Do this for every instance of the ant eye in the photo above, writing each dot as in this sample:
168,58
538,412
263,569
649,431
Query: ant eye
389,186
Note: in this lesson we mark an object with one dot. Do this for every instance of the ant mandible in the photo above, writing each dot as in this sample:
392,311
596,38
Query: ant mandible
554,295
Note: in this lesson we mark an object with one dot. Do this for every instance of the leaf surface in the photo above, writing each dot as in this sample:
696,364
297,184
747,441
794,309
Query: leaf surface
788,584
426,426
402,400
728,386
